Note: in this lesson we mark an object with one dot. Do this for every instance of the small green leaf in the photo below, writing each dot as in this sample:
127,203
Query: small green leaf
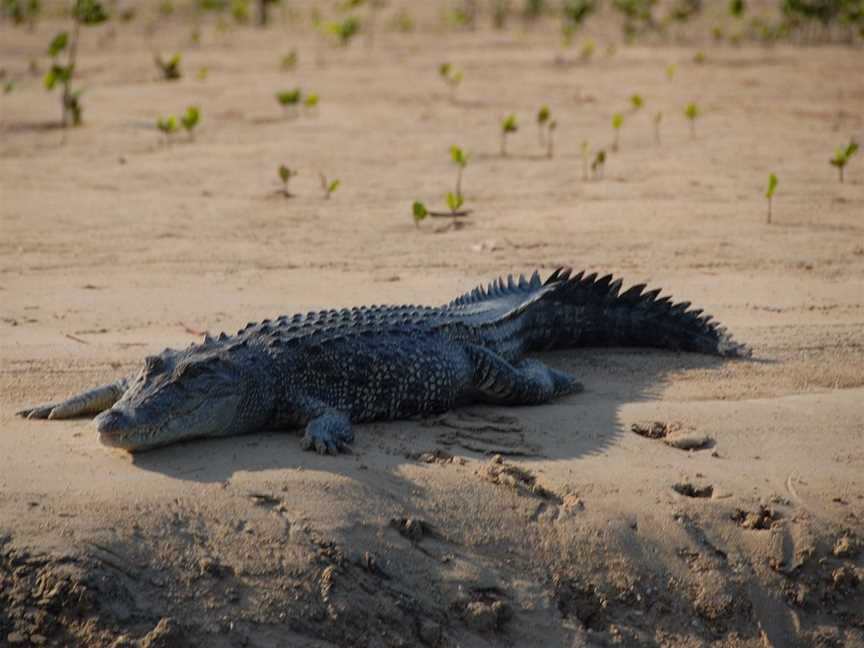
285,174
191,118
311,100
692,111
617,121
543,115
509,124
419,211
458,156
772,186
670,71
289,97
637,101
167,125
454,201
333,186
89,12
58,44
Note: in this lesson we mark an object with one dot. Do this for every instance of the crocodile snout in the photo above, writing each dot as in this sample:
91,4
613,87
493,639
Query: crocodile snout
110,425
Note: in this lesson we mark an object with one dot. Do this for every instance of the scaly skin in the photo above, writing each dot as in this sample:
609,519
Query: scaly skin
325,370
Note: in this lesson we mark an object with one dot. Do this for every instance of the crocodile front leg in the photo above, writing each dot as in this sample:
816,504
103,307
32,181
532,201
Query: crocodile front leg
328,432
528,383
89,402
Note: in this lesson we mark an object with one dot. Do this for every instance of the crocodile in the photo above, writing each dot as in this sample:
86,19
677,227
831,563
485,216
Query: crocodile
322,371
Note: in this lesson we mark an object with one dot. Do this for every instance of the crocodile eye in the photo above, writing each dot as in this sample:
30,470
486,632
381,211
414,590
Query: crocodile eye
191,370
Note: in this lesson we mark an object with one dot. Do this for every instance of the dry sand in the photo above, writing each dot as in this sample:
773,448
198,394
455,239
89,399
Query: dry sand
582,532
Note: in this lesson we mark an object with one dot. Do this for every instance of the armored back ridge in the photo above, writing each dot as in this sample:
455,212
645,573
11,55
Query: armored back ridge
324,370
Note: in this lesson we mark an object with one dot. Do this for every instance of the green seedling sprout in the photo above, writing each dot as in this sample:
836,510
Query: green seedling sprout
543,116
289,100
637,102
285,175
344,31
769,193
460,159
699,57
671,69
692,112
311,101
599,164
509,125
329,186
658,117
585,154
617,123
842,156
190,120
587,51
202,73
9,86
452,76
289,61
419,212
84,12
170,69
167,126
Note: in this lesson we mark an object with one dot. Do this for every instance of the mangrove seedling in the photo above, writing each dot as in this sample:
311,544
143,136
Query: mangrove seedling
692,112
509,125
289,61
599,164
169,69
617,123
202,73
543,116
344,31
699,57
587,51
190,120
311,101
460,159
452,76
550,140
585,153
842,156
769,193
285,175
419,212
289,100
671,69
84,12
167,126
328,186
637,102
658,117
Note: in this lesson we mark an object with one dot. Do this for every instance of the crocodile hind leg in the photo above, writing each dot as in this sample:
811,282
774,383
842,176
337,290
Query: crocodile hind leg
89,402
329,432
530,382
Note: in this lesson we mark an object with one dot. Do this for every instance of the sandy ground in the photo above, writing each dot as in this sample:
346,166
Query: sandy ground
582,532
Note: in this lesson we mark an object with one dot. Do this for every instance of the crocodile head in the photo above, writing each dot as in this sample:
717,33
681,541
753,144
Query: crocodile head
177,395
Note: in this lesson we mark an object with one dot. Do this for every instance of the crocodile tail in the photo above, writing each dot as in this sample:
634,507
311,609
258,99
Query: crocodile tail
584,310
